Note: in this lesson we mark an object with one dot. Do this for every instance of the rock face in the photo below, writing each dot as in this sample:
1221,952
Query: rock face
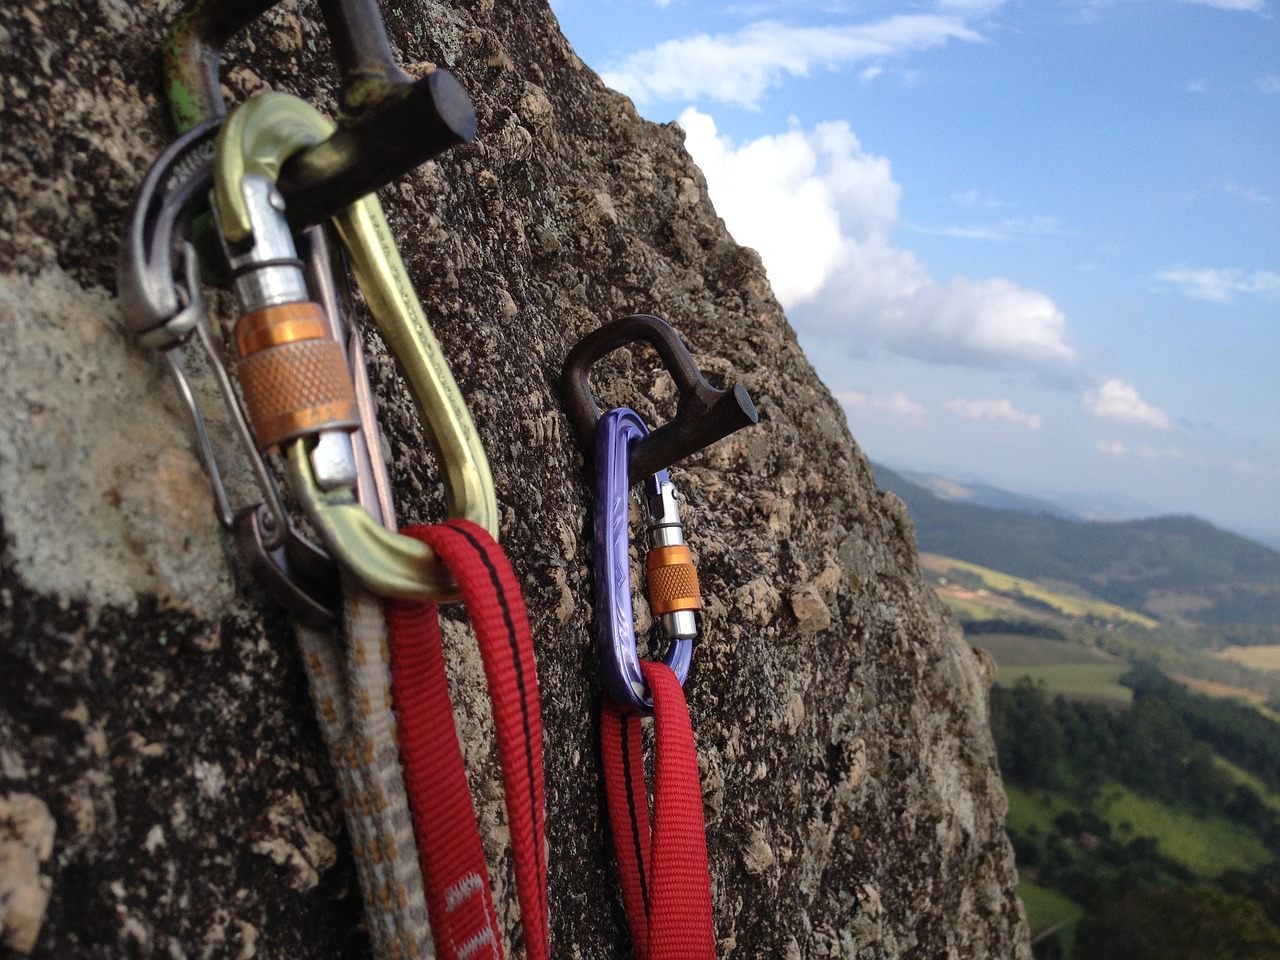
152,705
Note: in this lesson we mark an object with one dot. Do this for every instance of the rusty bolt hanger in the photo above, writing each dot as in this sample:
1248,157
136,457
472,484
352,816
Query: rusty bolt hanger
703,413
388,123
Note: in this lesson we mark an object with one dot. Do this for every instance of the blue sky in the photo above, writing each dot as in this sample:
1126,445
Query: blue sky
1031,243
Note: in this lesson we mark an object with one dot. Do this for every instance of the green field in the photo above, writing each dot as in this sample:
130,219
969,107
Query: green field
1082,681
1018,650
1066,668
1247,779
1019,588
968,608
1262,657
1209,846
1048,909
1034,810
976,593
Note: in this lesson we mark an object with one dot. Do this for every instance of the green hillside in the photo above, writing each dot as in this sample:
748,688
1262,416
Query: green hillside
1177,569
1206,845
1070,669
1024,591
1124,818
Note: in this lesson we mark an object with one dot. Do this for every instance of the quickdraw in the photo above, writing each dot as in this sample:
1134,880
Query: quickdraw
662,862
302,375
254,143
663,866
278,330
161,293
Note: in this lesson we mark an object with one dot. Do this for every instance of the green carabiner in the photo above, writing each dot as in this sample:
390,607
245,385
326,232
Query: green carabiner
255,141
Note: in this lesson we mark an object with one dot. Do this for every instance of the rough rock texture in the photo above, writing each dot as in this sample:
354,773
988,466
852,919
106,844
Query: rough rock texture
151,702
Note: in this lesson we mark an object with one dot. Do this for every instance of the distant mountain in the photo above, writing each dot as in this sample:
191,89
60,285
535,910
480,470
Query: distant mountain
1266,539
981,495
1177,569
1102,505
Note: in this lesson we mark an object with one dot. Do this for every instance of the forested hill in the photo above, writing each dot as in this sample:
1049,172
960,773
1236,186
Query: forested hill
1173,568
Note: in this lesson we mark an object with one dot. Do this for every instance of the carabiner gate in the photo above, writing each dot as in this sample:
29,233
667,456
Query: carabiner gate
672,581
309,419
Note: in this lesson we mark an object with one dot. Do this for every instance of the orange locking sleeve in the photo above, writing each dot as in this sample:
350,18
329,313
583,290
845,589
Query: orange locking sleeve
294,377
673,580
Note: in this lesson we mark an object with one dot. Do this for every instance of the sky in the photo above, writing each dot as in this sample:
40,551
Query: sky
1033,243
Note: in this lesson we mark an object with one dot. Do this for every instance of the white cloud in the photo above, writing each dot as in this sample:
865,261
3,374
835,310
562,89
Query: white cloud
978,322
974,8
1159,453
774,198
976,198
1117,400
820,211
898,403
1252,194
1007,230
1220,284
1269,84
738,68
1001,409
1248,6
1117,449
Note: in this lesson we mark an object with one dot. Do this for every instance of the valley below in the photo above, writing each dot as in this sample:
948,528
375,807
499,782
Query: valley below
1136,716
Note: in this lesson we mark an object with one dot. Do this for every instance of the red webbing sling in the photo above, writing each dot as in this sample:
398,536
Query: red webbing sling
464,925
666,881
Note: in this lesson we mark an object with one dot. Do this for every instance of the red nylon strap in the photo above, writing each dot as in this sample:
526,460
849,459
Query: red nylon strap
463,922
666,881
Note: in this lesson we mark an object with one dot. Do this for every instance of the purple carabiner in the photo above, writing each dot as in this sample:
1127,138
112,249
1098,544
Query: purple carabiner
616,431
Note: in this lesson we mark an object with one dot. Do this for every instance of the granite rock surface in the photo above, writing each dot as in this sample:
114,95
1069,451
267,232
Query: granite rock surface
163,788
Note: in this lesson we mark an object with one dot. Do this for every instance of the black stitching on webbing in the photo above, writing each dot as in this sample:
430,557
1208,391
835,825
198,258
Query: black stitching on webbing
513,642
636,839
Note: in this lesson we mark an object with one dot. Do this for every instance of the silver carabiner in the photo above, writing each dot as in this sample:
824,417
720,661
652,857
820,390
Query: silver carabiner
162,301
